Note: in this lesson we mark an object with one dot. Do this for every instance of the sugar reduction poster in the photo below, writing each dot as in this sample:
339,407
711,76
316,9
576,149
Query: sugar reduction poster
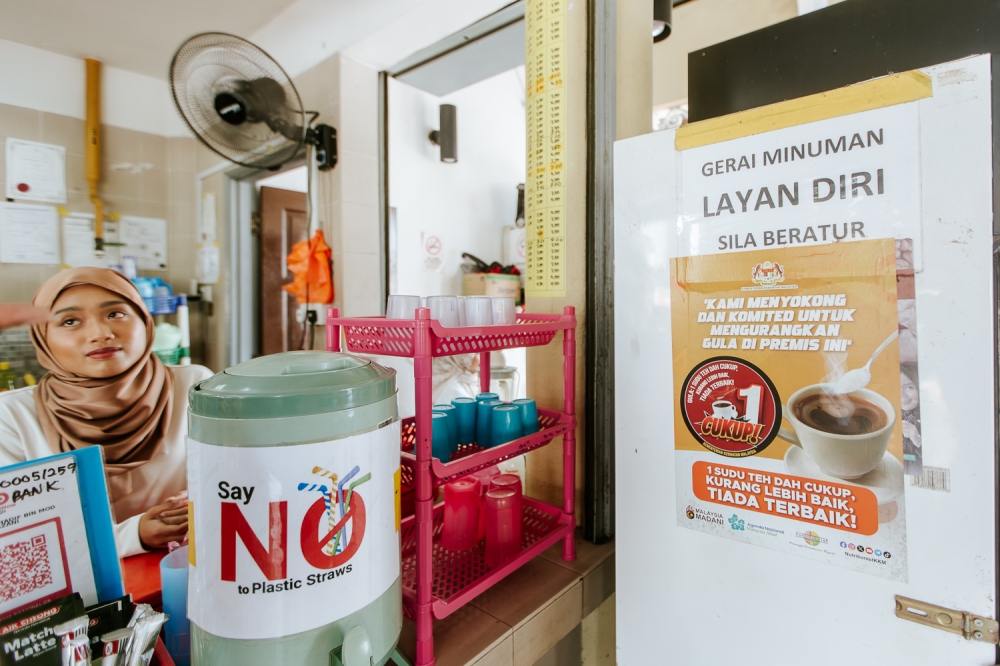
785,436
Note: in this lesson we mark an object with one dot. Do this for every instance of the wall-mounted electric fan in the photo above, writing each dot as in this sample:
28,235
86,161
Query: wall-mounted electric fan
243,105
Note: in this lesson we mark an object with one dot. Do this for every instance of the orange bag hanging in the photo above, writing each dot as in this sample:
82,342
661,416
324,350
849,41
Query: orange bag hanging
309,261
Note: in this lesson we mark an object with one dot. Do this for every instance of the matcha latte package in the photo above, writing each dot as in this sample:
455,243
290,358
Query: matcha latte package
28,638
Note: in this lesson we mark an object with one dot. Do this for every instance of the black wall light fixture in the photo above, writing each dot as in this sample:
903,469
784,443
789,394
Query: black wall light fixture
447,136
662,19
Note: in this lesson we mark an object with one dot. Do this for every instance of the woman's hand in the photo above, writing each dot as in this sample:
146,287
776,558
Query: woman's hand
163,523
17,314
911,433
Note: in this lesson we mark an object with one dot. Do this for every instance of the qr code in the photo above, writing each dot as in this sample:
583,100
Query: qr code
24,568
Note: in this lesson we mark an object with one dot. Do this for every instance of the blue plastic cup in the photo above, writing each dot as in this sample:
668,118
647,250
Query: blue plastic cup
465,418
483,397
174,577
483,431
449,411
505,424
529,415
440,437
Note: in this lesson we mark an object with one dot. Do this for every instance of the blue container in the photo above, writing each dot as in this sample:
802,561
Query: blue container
483,397
440,437
449,411
505,424
529,415
465,415
174,578
483,431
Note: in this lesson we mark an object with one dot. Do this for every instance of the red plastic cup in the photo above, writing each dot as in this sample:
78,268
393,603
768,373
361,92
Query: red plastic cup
511,482
486,477
464,519
503,526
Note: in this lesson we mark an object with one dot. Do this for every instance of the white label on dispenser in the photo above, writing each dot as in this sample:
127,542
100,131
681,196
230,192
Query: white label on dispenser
291,538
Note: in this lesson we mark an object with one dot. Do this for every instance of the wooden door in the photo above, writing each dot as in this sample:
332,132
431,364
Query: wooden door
283,223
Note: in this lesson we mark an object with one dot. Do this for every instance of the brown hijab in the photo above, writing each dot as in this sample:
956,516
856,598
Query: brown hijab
128,414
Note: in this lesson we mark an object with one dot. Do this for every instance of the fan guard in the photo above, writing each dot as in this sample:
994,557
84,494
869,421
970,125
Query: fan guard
238,101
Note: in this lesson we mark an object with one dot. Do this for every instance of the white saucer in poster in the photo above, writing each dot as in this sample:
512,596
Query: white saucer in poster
886,480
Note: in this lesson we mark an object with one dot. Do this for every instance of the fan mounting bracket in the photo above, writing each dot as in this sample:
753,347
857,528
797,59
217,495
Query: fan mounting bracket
324,138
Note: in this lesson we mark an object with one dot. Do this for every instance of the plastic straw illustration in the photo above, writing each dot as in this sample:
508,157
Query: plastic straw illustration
330,516
316,487
319,471
340,496
340,488
350,492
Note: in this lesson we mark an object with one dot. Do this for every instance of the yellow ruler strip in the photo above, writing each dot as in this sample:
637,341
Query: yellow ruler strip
545,196
874,94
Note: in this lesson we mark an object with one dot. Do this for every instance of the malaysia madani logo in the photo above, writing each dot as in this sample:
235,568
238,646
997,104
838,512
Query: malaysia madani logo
768,273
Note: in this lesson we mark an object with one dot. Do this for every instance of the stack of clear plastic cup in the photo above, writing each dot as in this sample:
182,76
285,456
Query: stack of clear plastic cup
401,307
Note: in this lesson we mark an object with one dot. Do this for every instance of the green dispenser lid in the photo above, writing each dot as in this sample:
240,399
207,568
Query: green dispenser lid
289,384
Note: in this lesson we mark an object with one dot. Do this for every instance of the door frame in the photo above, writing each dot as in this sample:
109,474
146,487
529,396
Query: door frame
241,253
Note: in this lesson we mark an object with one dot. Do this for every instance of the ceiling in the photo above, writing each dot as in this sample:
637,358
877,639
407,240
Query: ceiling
142,35
139,36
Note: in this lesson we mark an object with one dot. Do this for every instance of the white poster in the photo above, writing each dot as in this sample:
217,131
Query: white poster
850,178
290,538
78,242
43,540
36,171
145,239
29,234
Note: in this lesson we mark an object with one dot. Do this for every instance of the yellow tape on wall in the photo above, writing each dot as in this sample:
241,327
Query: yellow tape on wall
545,197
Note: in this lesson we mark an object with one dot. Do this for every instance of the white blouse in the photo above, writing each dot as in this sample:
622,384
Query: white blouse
165,475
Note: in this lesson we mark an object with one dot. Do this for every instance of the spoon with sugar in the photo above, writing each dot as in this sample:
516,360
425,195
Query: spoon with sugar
855,380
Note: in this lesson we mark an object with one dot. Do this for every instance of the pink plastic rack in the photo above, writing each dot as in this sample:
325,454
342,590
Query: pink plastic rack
436,581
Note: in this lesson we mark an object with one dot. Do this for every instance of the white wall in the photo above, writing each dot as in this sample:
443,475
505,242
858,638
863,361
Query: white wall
46,81
703,23
465,204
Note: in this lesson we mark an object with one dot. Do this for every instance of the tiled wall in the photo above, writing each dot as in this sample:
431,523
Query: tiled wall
345,93
163,189
161,184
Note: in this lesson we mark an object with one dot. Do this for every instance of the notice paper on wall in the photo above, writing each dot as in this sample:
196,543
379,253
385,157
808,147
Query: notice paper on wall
207,226
545,197
144,238
29,234
835,479
78,242
36,171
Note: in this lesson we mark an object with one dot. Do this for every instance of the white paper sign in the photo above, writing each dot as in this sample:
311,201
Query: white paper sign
36,171
842,179
209,264
269,561
29,234
144,238
207,226
43,540
78,242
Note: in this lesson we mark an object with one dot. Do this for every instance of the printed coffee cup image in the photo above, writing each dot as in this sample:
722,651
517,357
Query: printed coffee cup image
846,435
723,409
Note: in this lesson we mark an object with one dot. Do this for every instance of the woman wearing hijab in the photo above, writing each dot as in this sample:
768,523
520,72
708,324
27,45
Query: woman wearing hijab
105,387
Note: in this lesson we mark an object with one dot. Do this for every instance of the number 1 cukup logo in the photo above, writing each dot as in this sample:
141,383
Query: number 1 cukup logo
730,406
326,551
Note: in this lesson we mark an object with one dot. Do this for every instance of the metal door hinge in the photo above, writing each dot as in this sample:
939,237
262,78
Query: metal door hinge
969,625
255,224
